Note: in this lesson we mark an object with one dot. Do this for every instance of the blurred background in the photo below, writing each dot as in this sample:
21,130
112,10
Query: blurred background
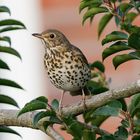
39,15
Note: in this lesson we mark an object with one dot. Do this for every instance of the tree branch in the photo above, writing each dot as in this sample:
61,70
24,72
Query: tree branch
9,118
101,99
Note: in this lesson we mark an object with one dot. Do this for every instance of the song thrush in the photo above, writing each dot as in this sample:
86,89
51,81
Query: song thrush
66,65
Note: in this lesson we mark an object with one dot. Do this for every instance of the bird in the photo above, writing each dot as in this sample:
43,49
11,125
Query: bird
66,65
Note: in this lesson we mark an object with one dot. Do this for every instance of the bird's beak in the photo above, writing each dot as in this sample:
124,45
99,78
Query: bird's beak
38,35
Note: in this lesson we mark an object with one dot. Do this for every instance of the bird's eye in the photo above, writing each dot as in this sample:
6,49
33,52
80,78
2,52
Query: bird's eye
52,35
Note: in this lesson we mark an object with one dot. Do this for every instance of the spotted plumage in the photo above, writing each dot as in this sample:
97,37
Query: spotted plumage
66,65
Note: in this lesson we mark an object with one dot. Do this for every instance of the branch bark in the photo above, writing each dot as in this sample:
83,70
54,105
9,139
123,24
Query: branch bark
101,99
9,117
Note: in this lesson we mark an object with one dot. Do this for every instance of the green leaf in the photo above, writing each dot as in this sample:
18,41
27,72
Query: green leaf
54,120
111,109
10,83
36,104
134,41
103,22
88,135
6,39
11,22
41,115
130,28
96,120
10,28
121,133
85,4
6,129
115,48
31,106
5,9
76,130
93,11
135,104
41,99
125,7
135,100
10,51
130,17
3,65
99,65
119,59
136,137
114,36
55,104
107,137
95,87
125,123
8,100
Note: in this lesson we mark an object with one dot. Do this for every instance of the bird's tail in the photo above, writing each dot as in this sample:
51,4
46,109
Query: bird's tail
79,92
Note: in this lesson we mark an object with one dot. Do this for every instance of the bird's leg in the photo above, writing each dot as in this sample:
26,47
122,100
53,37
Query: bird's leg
84,98
60,101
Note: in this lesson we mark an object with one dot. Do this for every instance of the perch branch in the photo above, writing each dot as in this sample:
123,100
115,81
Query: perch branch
101,99
9,118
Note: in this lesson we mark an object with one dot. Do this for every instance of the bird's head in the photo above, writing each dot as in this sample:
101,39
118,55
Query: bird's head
52,38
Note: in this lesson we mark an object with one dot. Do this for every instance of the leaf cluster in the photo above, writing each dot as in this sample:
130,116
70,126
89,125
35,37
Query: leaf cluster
7,25
124,13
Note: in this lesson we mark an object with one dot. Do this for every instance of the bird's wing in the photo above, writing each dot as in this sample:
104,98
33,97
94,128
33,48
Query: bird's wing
79,53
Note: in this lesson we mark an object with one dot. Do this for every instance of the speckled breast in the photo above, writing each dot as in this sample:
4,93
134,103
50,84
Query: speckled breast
67,72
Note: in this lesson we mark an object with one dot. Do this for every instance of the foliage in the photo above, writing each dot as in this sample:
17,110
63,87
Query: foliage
124,13
5,26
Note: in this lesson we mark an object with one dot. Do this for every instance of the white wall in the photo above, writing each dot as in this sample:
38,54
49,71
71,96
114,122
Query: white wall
30,72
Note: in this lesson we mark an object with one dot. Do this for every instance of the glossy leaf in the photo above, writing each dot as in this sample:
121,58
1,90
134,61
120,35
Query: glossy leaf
41,99
5,129
136,137
5,9
95,87
107,137
88,135
103,22
130,17
114,36
119,59
9,51
99,65
85,4
10,28
115,48
41,115
6,39
36,104
10,83
55,104
111,109
125,7
76,130
11,22
8,100
135,105
121,133
4,65
134,41
32,106
93,11
95,120
130,28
